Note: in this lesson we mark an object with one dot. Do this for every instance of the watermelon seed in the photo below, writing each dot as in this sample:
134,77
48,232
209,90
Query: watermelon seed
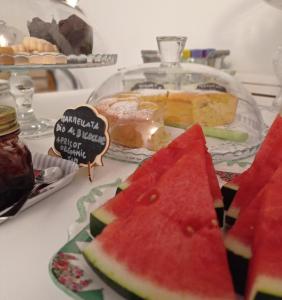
190,229
153,197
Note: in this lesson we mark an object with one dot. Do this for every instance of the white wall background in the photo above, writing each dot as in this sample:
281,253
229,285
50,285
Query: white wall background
251,29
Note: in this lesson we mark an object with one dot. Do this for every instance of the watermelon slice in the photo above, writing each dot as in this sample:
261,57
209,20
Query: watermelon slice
149,256
229,189
170,246
239,239
99,218
265,279
124,202
238,243
266,161
165,158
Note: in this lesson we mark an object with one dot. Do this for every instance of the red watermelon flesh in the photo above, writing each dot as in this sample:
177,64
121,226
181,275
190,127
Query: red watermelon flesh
157,258
164,158
244,229
239,239
213,182
266,161
123,204
229,190
169,247
265,276
161,161
183,192
189,171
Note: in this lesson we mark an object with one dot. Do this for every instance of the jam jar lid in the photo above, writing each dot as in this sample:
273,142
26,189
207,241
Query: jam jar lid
8,120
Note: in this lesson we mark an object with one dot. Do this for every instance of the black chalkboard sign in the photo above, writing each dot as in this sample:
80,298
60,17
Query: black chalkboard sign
81,135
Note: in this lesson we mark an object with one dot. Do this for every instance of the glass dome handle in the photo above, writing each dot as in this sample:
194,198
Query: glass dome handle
171,48
277,64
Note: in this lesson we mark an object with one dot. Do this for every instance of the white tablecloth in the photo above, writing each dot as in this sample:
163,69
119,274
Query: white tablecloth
28,242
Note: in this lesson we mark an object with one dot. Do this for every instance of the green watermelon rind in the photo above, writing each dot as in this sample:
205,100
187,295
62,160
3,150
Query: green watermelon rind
266,288
110,282
238,256
96,225
266,296
99,219
231,216
123,281
228,192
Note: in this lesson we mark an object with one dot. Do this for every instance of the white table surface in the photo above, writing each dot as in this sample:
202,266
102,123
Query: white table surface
28,242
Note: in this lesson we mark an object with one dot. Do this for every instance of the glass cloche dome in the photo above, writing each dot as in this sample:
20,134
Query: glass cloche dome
42,35
150,104
60,22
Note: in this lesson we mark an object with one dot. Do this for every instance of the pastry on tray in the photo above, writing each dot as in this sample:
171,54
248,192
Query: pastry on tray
6,56
31,44
134,124
137,118
6,50
47,58
36,51
21,58
7,59
183,108
207,108
71,35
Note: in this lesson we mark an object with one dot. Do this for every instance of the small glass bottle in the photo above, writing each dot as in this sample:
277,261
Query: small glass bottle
16,171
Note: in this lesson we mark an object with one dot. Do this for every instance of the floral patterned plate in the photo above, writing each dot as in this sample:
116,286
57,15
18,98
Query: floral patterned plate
68,268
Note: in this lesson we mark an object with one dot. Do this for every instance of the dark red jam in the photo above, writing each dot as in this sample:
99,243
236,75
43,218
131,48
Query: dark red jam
16,171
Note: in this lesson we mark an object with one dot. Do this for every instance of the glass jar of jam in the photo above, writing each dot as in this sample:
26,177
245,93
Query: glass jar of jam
16,171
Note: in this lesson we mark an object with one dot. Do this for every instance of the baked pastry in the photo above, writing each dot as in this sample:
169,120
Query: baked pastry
31,44
34,44
207,108
21,58
6,59
47,58
6,50
72,35
19,48
214,108
183,108
134,124
137,118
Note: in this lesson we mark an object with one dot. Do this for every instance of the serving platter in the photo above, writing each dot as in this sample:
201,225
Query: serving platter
98,60
68,268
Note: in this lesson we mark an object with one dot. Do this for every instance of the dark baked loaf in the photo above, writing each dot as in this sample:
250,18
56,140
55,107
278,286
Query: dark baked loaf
78,33
71,36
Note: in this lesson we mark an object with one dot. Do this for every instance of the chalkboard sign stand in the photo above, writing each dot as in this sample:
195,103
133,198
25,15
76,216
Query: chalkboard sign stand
89,166
81,135
89,172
